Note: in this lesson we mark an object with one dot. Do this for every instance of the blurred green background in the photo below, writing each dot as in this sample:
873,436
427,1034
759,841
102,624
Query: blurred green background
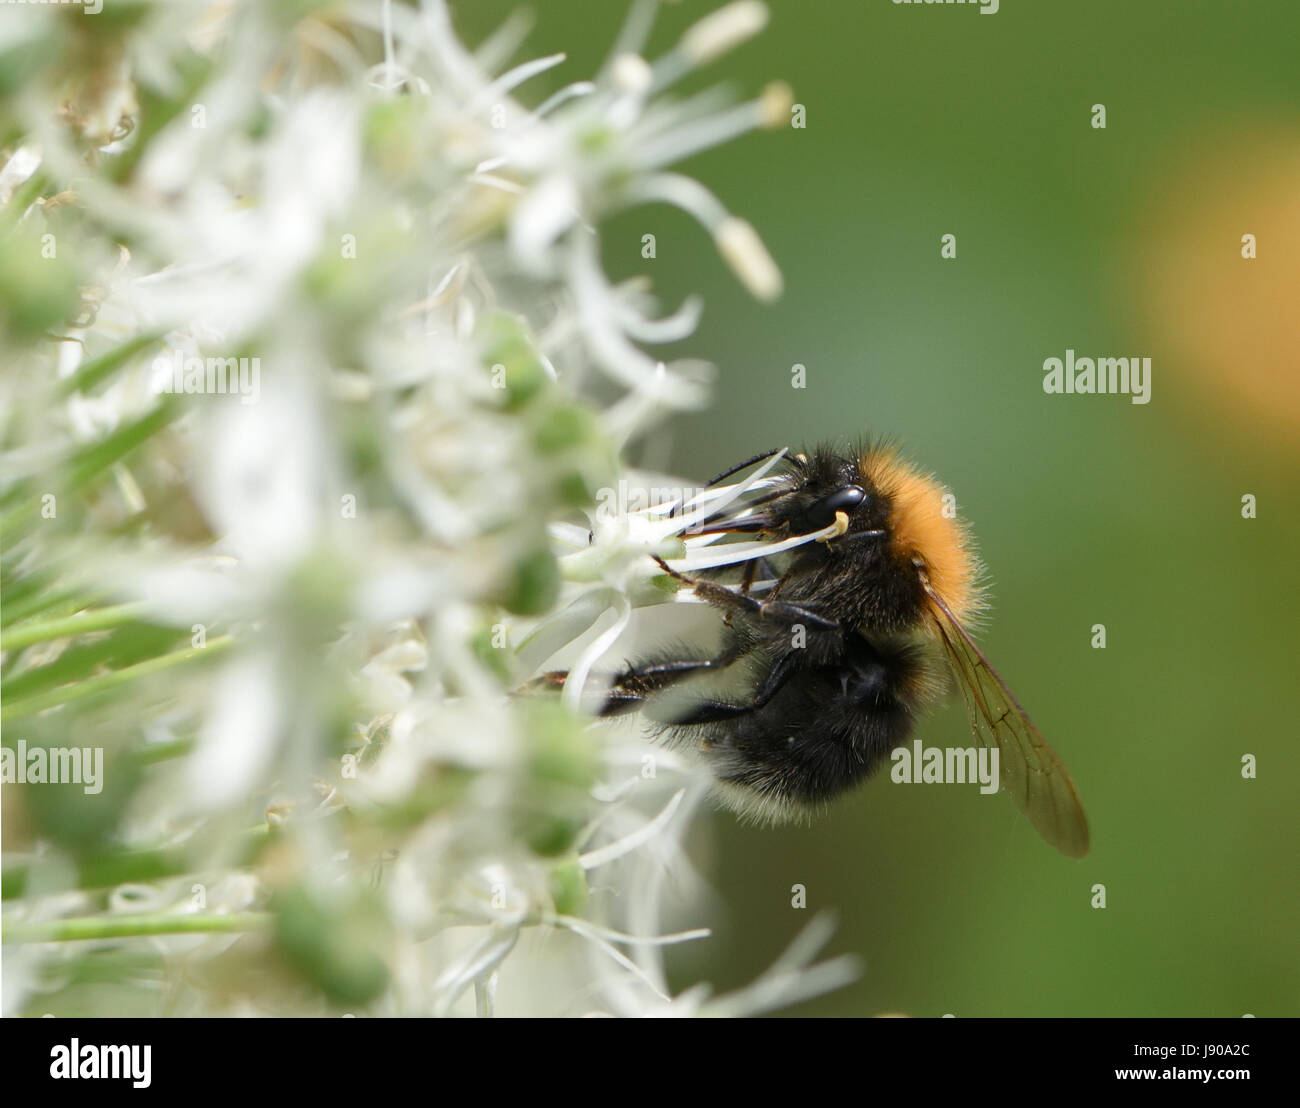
925,121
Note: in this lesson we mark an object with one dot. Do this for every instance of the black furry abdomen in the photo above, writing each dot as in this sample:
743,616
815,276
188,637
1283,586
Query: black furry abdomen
831,725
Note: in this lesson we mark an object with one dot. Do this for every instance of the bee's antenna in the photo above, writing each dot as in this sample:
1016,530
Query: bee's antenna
728,526
734,524
736,469
743,465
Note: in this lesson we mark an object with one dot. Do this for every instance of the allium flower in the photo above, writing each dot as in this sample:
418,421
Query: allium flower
301,478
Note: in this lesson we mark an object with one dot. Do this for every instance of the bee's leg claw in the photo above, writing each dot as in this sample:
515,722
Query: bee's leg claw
673,573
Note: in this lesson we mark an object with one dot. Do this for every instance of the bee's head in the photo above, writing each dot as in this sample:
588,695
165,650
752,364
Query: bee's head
890,508
824,485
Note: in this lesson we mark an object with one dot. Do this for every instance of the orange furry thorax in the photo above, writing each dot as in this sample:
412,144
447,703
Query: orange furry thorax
920,530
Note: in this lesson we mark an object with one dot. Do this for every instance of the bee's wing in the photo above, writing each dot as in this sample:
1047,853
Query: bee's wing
1034,777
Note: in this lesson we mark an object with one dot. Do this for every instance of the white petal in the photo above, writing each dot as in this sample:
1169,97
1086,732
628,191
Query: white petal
238,739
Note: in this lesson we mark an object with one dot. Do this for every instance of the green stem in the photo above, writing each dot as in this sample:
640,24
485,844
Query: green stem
161,752
99,456
94,370
104,682
89,463
102,619
124,867
78,929
49,603
24,196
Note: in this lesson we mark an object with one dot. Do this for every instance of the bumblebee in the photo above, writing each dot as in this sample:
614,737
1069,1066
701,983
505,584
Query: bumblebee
840,647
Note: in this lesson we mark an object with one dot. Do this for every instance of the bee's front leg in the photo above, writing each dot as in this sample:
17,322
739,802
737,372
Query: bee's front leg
728,599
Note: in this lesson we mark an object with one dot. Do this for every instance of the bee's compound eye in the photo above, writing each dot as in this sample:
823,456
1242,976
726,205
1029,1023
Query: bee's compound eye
822,513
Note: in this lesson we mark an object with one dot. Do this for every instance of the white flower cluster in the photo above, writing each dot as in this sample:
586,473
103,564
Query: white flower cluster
307,607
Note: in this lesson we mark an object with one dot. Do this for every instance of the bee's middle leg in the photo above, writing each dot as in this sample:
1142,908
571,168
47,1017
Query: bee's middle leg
629,689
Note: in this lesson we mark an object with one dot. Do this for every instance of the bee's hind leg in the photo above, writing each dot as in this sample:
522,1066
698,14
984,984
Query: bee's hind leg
714,711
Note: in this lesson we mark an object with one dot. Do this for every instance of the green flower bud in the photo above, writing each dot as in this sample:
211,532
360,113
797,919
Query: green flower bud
336,943
568,887
38,284
513,362
560,768
534,583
